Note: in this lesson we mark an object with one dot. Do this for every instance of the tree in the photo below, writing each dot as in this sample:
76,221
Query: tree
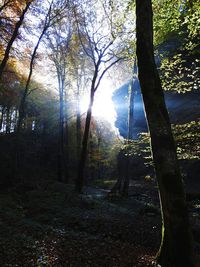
33,56
58,40
79,71
13,37
27,91
98,46
176,247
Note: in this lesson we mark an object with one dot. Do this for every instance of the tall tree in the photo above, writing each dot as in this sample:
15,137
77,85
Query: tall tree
58,41
176,246
26,92
99,47
79,72
33,56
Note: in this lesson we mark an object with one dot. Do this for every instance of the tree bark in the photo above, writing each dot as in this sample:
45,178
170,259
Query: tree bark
176,246
14,36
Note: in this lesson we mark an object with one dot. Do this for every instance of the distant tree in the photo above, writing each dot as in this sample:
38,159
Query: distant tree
58,42
176,247
10,87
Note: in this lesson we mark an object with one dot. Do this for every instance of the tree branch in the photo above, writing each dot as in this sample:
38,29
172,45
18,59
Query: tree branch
103,73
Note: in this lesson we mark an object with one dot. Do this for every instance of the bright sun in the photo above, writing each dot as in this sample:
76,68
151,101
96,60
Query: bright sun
103,106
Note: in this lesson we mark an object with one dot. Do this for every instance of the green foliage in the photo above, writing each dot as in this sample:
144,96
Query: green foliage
180,72
167,19
176,34
178,18
188,140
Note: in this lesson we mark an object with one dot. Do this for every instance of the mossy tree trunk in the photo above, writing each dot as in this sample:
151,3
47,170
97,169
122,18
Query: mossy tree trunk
176,247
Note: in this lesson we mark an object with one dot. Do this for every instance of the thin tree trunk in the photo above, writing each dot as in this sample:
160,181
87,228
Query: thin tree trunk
99,163
121,164
7,120
26,91
78,126
1,119
25,94
126,175
22,110
176,248
63,156
15,119
14,36
83,156
130,136
66,144
61,166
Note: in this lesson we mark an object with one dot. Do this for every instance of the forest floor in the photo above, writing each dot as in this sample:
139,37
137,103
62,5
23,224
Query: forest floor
52,226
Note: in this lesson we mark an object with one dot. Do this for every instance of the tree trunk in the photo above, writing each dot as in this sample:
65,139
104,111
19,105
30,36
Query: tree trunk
99,162
83,156
61,141
14,36
24,97
26,90
62,161
66,145
126,175
176,247
8,118
78,126
121,173
130,136
1,119
131,112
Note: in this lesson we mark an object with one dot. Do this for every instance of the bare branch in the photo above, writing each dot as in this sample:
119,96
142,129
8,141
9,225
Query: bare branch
105,70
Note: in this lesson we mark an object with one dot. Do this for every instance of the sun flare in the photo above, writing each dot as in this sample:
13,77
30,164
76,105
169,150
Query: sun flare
103,106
